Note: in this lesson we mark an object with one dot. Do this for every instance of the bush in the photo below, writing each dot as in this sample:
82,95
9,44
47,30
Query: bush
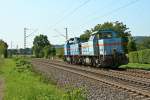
142,56
133,57
22,65
60,52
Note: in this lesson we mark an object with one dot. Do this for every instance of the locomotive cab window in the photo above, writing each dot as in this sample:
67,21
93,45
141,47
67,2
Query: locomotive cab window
107,35
104,35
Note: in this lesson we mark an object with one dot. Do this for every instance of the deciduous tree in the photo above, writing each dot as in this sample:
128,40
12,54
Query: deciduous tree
42,47
39,43
131,45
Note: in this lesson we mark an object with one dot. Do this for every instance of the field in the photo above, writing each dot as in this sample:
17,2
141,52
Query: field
24,84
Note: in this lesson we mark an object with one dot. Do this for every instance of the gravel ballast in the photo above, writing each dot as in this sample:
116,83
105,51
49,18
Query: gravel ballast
95,90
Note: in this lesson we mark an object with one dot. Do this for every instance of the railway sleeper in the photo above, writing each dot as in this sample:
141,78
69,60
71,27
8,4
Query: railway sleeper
146,99
134,94
140,96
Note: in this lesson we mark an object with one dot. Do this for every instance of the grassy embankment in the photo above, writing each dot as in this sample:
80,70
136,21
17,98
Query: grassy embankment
21,83
139,60
136,66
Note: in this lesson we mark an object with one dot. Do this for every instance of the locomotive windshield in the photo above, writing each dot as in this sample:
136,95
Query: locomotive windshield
74,40
104,35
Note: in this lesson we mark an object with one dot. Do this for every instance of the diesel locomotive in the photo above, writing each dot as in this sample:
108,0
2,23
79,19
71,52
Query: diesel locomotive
103,49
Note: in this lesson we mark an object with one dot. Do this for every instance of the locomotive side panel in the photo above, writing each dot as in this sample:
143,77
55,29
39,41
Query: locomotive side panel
107,46
74,49
66,49
87,48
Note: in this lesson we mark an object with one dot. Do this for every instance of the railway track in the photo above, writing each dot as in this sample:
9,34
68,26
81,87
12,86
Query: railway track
131,72
134,73
135,85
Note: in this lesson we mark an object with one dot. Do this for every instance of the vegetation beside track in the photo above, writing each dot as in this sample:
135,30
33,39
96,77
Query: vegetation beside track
21,83
142,56
139,60
136,66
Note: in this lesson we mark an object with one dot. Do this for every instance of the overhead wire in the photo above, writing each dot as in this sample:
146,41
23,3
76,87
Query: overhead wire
117,9
59,33
32,33
95,12
112,11
70,13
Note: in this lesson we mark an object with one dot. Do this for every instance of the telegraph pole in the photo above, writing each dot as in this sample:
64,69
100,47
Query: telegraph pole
11,49
11,44
25,41
25,38
66,33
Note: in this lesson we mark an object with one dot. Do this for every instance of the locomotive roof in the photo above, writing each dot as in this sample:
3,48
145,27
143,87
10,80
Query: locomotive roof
103,31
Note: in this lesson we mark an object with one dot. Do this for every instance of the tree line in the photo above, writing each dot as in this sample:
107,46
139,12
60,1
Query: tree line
142,42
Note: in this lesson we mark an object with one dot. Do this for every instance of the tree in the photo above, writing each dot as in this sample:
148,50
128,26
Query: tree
53,51
86,35
47,51
131,45
60,52
118,27
144,43
39,43
3,48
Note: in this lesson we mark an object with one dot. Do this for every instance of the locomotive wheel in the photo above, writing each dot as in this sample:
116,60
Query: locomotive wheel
82,61
94,62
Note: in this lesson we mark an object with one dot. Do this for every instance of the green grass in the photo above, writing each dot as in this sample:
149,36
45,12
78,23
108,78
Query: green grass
136,66
28,85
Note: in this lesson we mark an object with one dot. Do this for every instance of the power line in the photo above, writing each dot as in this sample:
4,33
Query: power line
65,36
59,33
114,10
70,13
117,9
95,12
32,33
66,10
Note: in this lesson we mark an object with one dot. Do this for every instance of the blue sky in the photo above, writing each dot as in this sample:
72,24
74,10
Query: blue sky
50,15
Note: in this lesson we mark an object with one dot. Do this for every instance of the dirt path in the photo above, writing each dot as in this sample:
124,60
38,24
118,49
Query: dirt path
1,88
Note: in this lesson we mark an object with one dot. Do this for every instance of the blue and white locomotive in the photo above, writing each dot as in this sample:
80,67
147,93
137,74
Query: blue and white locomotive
103,49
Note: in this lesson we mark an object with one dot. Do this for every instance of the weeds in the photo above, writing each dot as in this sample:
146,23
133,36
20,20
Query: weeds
24,84
75,94
22,65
